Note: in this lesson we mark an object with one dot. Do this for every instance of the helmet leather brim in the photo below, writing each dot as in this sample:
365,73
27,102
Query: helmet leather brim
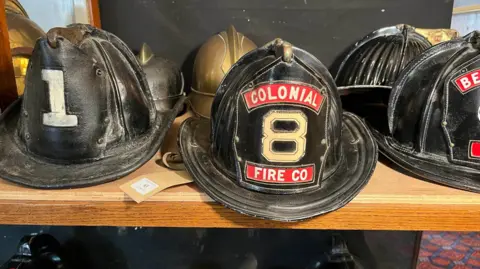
360,157
20,166
436,170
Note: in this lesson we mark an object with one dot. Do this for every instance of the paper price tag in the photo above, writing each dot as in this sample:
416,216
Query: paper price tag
145,186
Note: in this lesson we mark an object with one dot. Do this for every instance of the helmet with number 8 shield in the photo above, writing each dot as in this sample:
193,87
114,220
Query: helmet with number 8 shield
280,146
87,115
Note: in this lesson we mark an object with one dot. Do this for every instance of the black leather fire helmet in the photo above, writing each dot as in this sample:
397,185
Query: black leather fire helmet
371,66
37,251
434,115
280,146
87,114
164,79
378,58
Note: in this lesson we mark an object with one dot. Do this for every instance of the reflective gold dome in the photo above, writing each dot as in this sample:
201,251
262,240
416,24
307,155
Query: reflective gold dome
13,6
23,33
212,62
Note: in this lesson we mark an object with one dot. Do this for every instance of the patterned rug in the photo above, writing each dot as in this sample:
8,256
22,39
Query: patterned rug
449,250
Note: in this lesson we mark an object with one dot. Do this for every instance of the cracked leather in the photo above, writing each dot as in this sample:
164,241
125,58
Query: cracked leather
87,115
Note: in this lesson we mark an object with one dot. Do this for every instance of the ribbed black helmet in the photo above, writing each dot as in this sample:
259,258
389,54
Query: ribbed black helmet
378,58
371,66
434,115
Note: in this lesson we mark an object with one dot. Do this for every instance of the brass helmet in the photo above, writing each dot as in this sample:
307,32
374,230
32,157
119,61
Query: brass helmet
212,62
23,33
436,36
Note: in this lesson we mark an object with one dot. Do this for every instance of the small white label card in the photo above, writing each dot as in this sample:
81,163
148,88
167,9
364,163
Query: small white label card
145,186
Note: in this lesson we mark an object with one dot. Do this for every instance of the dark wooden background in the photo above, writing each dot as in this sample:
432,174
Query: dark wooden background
176,28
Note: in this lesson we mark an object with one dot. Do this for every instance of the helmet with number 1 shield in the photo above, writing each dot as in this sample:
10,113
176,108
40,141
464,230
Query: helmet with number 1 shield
280,146
87,115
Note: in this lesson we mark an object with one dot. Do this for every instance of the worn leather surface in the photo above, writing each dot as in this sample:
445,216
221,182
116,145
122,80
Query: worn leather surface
165,81
338,145
265,67
116,127
434,117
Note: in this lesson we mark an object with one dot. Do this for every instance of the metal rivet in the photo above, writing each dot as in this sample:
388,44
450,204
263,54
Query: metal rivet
99,72
464,70
27,136
452,145
250,85
322,158
100,141
444,123
323,142
106,120
237,139
25,114
239,159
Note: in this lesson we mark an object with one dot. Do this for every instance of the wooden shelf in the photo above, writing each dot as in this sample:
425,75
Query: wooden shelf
391,201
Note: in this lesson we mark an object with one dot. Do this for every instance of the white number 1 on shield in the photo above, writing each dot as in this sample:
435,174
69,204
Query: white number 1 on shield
58,116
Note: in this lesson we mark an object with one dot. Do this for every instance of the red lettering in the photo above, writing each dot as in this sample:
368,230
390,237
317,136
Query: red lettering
475,149
307,96
278,174
468,81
